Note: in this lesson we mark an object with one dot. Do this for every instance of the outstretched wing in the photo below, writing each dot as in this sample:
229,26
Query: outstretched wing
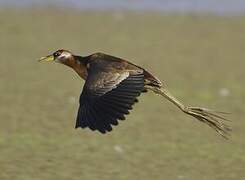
107,97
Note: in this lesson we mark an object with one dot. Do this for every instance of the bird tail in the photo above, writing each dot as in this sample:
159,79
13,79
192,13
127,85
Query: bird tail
212,118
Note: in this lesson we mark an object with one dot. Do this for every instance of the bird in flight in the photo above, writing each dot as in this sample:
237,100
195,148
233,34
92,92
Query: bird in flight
112,86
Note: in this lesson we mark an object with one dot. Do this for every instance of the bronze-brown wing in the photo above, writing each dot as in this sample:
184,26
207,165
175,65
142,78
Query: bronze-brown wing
107,97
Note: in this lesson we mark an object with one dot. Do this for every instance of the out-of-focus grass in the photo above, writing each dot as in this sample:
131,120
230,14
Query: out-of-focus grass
195,56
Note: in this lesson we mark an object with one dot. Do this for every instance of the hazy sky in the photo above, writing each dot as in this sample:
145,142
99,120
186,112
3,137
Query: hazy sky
214,6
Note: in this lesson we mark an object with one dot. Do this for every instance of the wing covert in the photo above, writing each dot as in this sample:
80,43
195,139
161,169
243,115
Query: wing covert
107,97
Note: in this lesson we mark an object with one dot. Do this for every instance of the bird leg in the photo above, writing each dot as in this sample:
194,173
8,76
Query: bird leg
214,119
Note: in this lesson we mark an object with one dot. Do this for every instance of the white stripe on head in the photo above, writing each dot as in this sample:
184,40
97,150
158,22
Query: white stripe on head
65,55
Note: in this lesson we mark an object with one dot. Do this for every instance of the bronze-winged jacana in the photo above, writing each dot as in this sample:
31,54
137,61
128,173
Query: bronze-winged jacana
112,86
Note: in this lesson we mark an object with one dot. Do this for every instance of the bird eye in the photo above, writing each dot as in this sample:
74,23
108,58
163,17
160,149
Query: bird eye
56,54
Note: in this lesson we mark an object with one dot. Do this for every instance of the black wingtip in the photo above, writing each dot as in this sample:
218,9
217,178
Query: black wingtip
102,112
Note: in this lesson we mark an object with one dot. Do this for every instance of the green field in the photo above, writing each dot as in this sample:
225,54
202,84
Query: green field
199,58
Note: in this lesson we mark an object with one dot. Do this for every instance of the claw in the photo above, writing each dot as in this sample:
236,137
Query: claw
211,118
214,119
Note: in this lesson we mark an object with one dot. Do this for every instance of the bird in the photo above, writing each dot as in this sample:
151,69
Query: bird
112,86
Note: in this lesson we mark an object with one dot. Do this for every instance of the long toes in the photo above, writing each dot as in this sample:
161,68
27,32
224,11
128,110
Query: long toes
210,118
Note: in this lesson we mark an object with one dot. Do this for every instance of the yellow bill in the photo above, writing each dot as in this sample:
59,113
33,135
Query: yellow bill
47,58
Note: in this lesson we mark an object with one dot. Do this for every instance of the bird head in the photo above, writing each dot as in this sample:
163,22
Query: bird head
60,56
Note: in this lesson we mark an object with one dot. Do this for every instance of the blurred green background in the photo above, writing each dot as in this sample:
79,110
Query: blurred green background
199,58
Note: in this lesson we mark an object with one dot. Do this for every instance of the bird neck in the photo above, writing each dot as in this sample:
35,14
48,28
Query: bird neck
79,64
